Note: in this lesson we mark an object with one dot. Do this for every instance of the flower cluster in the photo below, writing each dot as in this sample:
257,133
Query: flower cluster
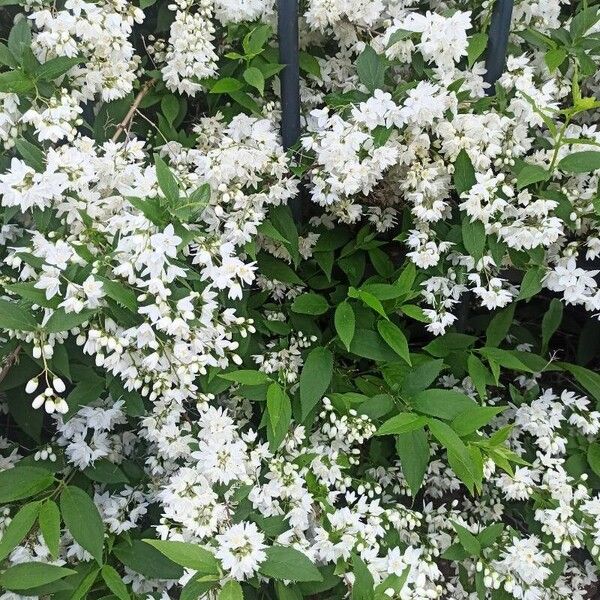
363,366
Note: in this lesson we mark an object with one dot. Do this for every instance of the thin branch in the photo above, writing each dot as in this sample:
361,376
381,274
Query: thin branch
124,124
11,359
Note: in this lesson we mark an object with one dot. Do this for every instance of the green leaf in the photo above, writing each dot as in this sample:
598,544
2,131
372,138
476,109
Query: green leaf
315,378
478,374
345,323
421,377
274,268
505,358
279,408
231,590
49,520
18,528
532,283
288,563
445,404
394,338
62,321
19,38
84,392
593,457
444,345
254,42
83,520
166,181
169,106
473,235
226,85
146,560
467,540
22,482
398,36
56,67
196,588
490,534
191,556
580,162
120,293
369,300
583,21
31,154
531,174
464,173
255,78
15,317
309,64
551,321
554,58
371,68
310,304
413,451
29,575
476,47
401,423
363,586
474,418
104,471
114,583
458,454
499,326
247,377
588,379
6,57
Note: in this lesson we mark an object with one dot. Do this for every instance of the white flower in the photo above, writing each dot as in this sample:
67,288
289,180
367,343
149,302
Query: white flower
241,550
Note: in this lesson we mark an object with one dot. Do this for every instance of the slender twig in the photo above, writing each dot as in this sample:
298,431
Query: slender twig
131,112
9,362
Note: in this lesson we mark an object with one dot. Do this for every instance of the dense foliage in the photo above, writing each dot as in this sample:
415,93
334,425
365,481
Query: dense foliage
393,398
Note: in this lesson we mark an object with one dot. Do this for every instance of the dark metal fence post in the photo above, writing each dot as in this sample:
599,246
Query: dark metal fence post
287,33
495,59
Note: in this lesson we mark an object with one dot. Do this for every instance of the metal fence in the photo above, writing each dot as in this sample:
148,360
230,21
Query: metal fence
287,31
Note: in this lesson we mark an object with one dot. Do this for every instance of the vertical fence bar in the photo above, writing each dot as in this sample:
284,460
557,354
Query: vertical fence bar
495,59
287,33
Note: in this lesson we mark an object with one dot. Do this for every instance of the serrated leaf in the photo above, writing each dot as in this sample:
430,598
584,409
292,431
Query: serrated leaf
395,339
530,174
255,78
18,528
371,68
310,304
166,181
288,564
279,409
247,377
580,162
83,520
15,317
476,47
315,378
22,482
27,575
190,556
115,583
401,423
49,520
345,323
56,67
464,173
231,590
413,451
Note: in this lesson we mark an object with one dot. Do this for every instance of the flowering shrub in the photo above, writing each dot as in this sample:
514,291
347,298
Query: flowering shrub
393,398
